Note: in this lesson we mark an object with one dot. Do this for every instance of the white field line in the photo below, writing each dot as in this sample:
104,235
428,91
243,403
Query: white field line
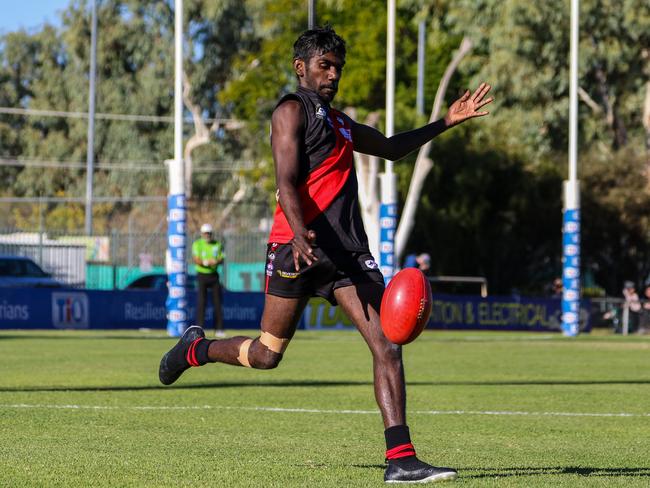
314,410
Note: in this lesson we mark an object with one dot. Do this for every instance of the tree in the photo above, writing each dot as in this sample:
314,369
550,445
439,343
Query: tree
48,70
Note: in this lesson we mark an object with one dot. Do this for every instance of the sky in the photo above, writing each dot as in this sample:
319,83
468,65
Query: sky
29,14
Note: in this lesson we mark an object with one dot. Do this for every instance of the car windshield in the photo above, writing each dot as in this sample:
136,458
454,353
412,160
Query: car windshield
20,268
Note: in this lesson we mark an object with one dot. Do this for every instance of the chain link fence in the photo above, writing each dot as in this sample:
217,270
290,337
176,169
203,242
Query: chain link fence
116,259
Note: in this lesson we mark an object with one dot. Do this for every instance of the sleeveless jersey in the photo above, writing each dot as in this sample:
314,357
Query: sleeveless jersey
327,182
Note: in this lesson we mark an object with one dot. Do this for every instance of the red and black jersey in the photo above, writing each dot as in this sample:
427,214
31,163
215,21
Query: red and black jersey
327,183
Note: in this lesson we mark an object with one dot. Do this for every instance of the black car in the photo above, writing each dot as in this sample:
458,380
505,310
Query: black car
19,271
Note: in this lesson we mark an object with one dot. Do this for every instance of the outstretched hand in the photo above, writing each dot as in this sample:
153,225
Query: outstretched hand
467,106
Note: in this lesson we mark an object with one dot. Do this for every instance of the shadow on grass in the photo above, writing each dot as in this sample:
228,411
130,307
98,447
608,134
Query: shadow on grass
535,471
192,386
68,337
552,470
305,384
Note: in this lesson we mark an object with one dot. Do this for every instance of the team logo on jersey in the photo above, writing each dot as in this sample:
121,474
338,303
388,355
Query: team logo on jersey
346,133
321,113
271,256
371,264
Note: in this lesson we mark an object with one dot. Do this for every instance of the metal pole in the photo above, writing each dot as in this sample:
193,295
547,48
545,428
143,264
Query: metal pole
178,85
90,155
176,302
390,75
388,207
419,101
311,14
573,92
571,218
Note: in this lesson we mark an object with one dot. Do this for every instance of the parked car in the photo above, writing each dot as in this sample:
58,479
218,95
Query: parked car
19,271
157,281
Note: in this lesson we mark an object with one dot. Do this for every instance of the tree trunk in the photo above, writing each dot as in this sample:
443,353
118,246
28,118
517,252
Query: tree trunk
367,168
423,163
201,134
646,118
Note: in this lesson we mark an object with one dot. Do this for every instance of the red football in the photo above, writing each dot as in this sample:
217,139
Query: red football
406,306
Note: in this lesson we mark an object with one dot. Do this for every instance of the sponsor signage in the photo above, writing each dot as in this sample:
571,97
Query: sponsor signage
69,310
571,272
465,312
176,305
501,313
387,224
42,308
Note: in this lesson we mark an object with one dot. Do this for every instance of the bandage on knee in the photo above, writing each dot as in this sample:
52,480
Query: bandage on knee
243,353
273,343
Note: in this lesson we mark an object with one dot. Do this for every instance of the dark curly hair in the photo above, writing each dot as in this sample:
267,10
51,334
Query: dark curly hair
317,41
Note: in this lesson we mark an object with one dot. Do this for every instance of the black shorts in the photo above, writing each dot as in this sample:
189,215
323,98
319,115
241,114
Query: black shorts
334,269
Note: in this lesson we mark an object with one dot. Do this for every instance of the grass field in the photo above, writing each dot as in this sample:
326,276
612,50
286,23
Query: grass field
81,409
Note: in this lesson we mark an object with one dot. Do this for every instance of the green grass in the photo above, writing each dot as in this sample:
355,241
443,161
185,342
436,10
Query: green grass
116,426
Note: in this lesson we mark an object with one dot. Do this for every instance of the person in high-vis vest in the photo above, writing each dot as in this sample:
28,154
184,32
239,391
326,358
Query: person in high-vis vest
207,254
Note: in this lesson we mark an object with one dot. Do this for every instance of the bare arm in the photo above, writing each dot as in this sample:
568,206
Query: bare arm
368,140
287,126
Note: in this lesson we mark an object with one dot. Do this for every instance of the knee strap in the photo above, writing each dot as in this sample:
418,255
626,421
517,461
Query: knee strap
243,353
273,343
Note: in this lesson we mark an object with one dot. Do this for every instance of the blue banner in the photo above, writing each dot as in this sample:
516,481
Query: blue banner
571,272
176,303
501,313
465,312
387,226
47,308
43,308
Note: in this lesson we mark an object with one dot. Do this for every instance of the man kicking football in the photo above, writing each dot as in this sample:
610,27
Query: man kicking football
318,246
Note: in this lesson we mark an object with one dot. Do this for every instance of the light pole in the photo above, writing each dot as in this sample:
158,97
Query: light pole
571,213
311,13
90,150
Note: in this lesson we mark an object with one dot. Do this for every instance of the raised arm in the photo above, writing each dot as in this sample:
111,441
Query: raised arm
287,126
368,140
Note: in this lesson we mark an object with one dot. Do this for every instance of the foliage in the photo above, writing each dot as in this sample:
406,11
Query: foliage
492,204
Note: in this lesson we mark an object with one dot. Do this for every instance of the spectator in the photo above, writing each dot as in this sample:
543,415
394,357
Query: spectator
207,254
421,261
633,304
424,262
555,288
644,324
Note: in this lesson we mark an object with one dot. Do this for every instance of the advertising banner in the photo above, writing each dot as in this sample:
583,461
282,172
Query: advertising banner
177,317
465,312
571,272
42,308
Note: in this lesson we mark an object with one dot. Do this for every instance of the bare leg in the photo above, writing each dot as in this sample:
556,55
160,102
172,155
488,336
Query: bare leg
361,304
280,317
